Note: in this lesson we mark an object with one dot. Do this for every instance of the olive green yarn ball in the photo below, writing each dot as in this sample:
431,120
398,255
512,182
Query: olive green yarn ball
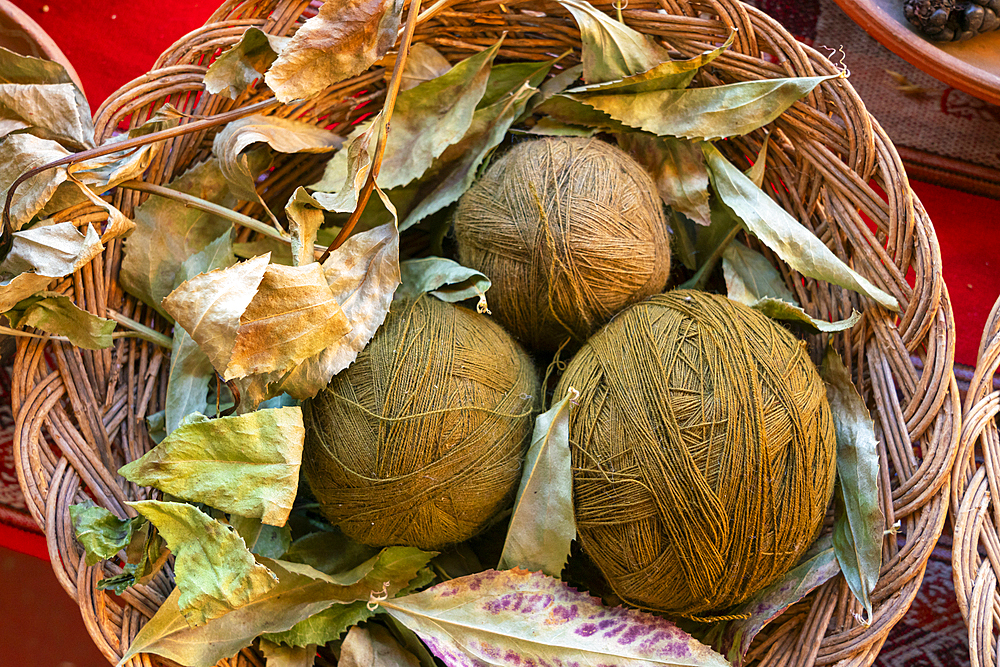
703,452
570,231
420,441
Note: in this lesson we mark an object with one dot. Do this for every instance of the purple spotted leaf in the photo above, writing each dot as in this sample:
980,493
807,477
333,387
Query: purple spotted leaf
517,618
733,638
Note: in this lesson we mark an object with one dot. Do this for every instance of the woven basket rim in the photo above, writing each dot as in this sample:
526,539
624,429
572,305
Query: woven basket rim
68,431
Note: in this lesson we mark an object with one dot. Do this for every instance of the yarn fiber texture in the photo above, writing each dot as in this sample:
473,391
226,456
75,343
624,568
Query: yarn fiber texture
420,441
570,231
703,452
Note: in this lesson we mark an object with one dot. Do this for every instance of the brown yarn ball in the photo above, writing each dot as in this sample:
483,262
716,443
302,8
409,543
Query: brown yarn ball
420,441
570,231
703,452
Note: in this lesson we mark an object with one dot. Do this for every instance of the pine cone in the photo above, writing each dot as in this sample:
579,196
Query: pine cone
952,20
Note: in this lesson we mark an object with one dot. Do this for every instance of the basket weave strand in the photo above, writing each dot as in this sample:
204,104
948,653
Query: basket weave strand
975,513
79,413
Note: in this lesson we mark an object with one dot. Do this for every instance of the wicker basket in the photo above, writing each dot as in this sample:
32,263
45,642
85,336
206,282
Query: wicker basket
79,413
975,514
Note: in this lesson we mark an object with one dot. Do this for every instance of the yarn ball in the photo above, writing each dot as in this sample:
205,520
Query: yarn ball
703,452
570,231
420,441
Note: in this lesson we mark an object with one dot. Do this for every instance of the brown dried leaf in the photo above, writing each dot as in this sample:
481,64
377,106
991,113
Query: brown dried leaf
678,170
363,274
21,287
341,41
247,60
374,646
293,316
209,306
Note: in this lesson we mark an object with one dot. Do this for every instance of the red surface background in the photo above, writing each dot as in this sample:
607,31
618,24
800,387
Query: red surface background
111,42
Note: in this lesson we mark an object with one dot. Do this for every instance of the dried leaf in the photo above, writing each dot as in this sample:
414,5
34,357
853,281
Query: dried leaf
245,62
782,233
117,225
262,539
329,551
281,134
549,127
612,50
750,277
778,309
190,368
293,316
423,63
245,464
56,314
568,111
859,527
543,524
300,593
209,306
168,232
39,95
363,275
288,656
101,533
678,170
735,637
443,278
507,78
670,74
514,616
19,154
215,572
305,216
105,172
756,171
341,41
704,113
21,287
52,250
146,554
347,170
374,646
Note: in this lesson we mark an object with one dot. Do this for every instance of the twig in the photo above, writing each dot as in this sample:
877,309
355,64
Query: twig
141,330
387,107
7,234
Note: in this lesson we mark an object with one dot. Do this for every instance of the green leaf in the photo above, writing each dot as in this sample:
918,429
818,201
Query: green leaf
543,524
431,117
733,638
678,170
704,113
190,368
506,78
215,572
330,552
667,75
56,314
244,464
374,646
510,617
262,539
446,279
52,250
423,63
859,526
300,593
282,134
326,626
612,50
750,277
146,554
101,533
245,62
453,173
342,40
782,233
168,232
19,154
288,656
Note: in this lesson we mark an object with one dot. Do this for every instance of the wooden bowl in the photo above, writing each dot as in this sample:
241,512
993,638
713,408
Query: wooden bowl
972,66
